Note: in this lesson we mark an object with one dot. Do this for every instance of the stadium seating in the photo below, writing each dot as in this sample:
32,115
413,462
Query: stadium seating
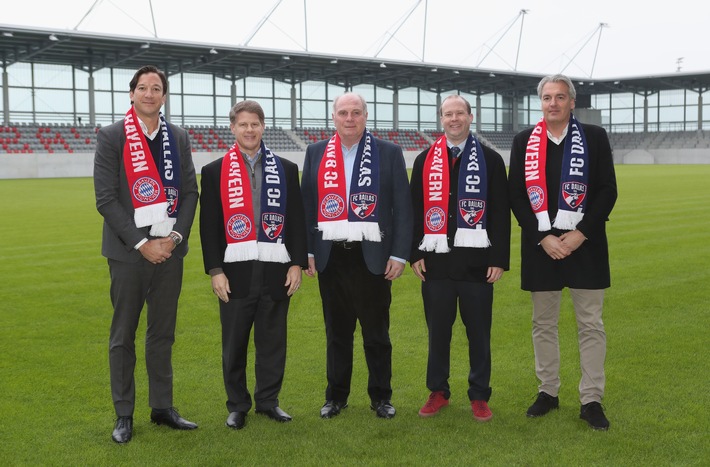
27,138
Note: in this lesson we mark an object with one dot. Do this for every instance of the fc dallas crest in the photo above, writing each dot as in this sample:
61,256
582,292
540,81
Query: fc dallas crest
471,210
574,193
362,204
273,224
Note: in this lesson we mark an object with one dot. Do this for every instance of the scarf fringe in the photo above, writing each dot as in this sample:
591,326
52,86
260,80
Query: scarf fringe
273,252
434,242
163,229
151,214
472,238
334,230
567,220
543,221
243,251
359,231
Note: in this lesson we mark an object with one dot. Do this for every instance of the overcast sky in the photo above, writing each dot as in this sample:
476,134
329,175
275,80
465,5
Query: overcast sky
640,38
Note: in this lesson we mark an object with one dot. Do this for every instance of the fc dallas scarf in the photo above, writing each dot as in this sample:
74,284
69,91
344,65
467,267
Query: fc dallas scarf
154,190
355,220
243,242
471,198
573,181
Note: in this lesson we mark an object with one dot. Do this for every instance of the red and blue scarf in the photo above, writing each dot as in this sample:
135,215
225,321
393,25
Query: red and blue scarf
573,180
154,188
357,219
471,198
247,241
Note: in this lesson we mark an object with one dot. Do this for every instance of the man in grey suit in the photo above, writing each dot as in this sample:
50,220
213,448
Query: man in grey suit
359,220
146,191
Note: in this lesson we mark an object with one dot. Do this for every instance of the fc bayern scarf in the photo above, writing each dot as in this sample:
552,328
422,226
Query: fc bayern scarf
471,198
573,181
154,189
357,219
243,241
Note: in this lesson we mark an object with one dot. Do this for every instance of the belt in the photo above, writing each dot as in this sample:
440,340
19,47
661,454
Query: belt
346,245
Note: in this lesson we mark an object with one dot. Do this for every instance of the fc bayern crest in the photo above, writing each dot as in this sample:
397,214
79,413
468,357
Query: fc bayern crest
537,197
363,204
171,193
239,226
273,224
471,210
146,190
574,193
332,206
435,219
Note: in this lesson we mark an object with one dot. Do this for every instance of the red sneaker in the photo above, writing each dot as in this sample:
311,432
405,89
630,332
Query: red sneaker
481,411
434,404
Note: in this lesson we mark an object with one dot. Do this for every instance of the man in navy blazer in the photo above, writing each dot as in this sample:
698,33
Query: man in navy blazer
355,272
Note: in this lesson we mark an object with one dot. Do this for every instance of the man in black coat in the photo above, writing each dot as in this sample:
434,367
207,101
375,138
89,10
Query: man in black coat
562,190
461,246
254,246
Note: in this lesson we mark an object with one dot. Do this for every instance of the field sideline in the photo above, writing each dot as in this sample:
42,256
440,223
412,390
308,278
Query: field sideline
55,401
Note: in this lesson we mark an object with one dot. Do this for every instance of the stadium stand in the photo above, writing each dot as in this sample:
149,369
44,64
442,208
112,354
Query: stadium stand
28,138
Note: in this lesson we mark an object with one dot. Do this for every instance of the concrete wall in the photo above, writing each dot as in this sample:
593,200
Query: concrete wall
59,165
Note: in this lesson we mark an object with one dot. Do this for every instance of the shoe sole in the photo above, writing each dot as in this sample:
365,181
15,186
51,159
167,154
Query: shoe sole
531,415
483,419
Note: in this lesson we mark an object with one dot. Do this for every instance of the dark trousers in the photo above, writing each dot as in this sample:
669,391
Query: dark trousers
350,292
475,301
268,317
132,286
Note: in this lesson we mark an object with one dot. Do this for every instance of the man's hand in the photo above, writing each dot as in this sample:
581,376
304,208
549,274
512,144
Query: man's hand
157,250
393,269
311,271
419,269
220,286
293,279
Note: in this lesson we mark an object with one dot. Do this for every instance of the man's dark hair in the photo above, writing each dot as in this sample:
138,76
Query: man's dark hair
149,69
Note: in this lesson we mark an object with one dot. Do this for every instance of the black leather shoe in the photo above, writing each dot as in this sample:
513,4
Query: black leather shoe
237,420
332,408
275,413
383,409
123,430
543,404
171,418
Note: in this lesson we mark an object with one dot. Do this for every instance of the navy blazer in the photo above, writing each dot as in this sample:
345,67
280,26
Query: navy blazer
394,208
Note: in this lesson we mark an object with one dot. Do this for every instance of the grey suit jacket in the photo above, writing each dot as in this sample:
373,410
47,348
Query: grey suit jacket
113,199
394,208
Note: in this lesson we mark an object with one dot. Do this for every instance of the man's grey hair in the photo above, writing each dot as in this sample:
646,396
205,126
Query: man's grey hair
362,99
557,79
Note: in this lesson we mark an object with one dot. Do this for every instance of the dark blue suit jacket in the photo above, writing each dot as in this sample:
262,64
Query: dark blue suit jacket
394,208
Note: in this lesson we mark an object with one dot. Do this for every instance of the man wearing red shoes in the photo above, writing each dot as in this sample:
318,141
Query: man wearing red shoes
461,246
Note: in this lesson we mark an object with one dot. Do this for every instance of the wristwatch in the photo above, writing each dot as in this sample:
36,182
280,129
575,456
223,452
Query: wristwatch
175,238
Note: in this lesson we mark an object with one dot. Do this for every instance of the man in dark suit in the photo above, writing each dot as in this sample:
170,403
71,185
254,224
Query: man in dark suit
461,246
359,223
562,190
146,191
253,237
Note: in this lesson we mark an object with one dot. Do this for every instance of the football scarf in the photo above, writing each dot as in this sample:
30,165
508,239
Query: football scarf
154,189
573,181
357,219
243,241
470,201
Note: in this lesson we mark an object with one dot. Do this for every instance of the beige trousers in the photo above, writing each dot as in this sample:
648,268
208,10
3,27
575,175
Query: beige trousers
590,334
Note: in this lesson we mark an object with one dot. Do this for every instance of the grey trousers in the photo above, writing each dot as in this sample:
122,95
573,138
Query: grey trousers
590,335
132,286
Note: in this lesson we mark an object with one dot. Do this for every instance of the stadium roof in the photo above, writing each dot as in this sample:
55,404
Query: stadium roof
92,52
